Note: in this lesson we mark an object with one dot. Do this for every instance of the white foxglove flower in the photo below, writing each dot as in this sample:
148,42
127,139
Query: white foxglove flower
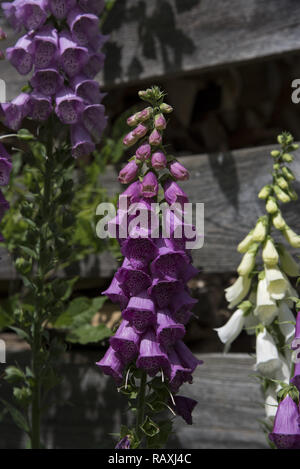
288,264
245,243
251,322
233,327
266,307
268,361
271,402
277,282
269,254
237,292
260,230
292,237
286,321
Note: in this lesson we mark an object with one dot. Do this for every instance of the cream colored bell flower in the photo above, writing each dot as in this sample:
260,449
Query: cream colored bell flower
248,262
288,263
260,230
245,243
271,205
251,321
266,308
230,331
286,322
269,253
277,282
291,237
279,221
237,292
267,358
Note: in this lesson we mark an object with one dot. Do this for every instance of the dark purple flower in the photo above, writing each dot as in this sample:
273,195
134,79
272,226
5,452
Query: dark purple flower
128,173
143,152
84,26
94,64
158,160
286,430
182,301
73,57
5,169
168,331
125,342
155,138
47,81
40,106
60,8
116,294
82,144
94,120
163,291
139,251
68,106
140,312
87,89
124,443
296,378
178,171
184,407
44,47
169,264
16,111
149,185
132,281
174,194
186,357
296,342
20,56
152,356
31,13
179,373
112,365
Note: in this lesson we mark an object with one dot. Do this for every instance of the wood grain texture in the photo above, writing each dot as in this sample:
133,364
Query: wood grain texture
89,407
163,38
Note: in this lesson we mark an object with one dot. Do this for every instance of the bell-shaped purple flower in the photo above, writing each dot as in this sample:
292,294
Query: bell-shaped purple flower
169,264
182,301
152,356
124,443
132,281
116,294
162,291
139,251
155,138
72,57
94,64
84,26
140,312
286,430
44,47
128,173
143,152
32,13
5,169
149,185
186,357
20,56
86,88
68,106
82,144
47,81
94,120
168,331
296,378
40,106
125,342
179,373
174,194
60,8
112,365
132,194
184,407
16,111
158,160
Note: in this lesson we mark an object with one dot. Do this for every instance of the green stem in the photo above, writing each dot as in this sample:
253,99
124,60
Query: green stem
141,404
36,394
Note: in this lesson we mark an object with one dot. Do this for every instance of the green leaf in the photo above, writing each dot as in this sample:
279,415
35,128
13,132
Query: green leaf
22,334
29,251
17,416
14,374
79,312
88,334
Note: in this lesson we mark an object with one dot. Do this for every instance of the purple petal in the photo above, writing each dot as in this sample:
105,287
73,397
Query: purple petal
116,294
87,89
184,407
44,46
94,120
163,291
16,111
20,56
47,81
168,331
140,312
132,281
73,57
125,342
40,106
286,430
186,357
60,8
69,107
140,251
84,26
152,356
112,365
82,144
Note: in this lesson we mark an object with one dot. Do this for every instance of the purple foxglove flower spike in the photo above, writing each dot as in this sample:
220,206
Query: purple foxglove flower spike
139,251
32,13
125,342
160,122
124,443
40,106
152,356
82,144
143,152
60,8
68,106
286,430
178,171
112,365
20,56
73,57
155,138
84,26
296,378
149,185
174,193
296,342
162,291
44,47
158,160
94,120
16,111
116,294
132,281
47,81
168,331
94,64
128,173
184,407
86,88
140,312
5,169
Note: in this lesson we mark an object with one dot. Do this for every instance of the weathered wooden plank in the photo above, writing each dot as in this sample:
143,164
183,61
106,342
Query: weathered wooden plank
228,184
230,405
164,38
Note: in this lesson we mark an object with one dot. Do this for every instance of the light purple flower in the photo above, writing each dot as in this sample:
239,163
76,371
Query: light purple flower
160,122
60,8
94,64
112,365
9,9
178,171
82,144
140,131
68,106
94,120
16,111
152,356
20,56
44,47
116,294
155,138
47,81
144,115
140,312
73,57
143,152
149,185
125,342
168,331
129,140
31,13
86,88
286,430
40,106
124,443
174,193
128,173
158,160
84,26
184,407
139,251
132,193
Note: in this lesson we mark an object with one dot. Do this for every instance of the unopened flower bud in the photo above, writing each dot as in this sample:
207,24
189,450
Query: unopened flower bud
245,243
160,122
128,173
166,108
275,153
280,139
149,185
132,121
178,171
281,195
129,140
155,138
291,237
143,152
140,131
282,183
260,230
270,254
158,160
278,221
248,262
292,193
145,114
287,157
265,192
271,205
288,173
